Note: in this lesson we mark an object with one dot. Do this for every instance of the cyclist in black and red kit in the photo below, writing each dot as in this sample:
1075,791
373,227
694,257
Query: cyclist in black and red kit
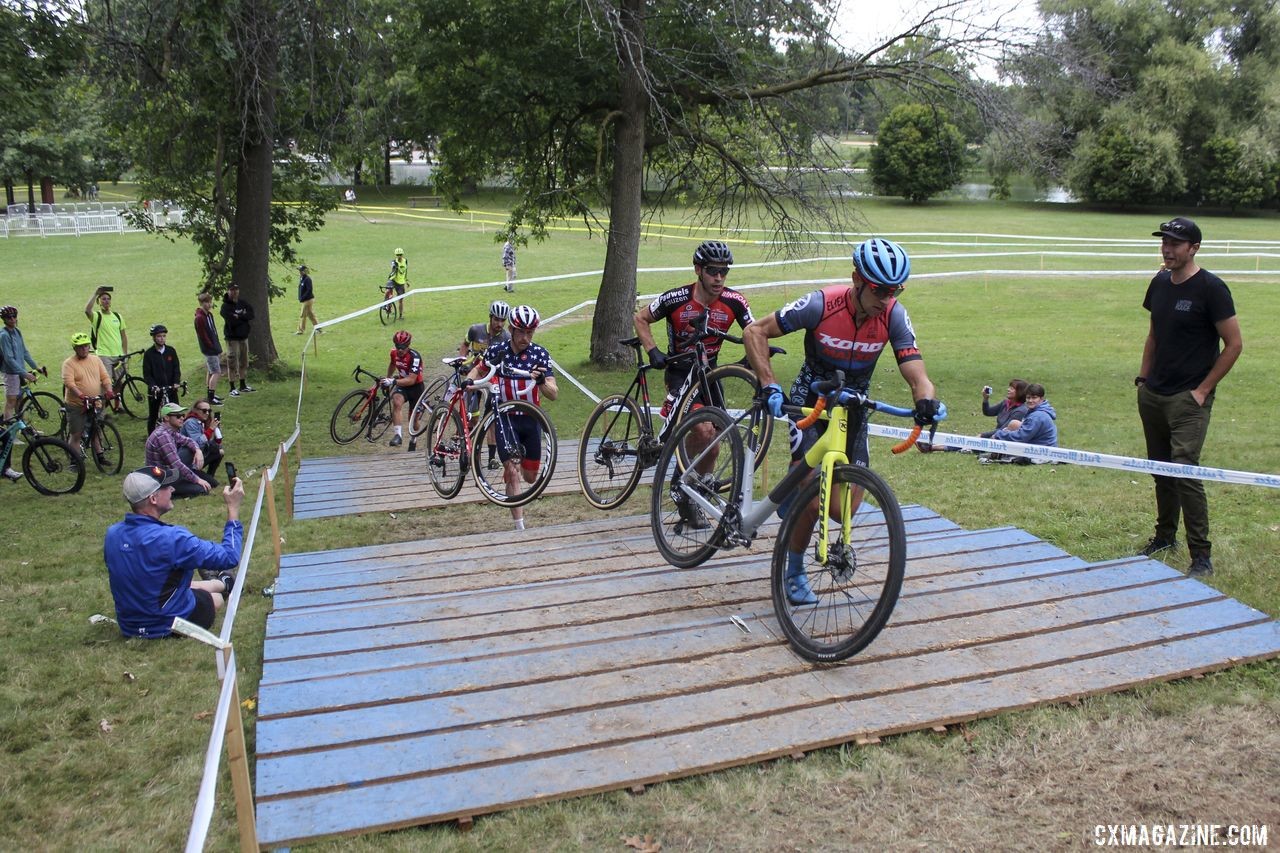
404,377
683,306
846,328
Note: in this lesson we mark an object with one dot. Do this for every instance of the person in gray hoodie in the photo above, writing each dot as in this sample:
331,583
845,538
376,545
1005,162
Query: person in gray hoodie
1038,427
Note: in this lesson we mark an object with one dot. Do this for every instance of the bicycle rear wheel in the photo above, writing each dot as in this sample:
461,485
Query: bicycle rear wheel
508,433
133,398
52,467
446,452
857,586
430,397
387,313
109,456
349,417
714,456
609,455
734,389
44,413
380,420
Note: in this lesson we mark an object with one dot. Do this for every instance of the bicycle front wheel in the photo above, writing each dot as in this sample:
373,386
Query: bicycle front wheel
349,417
109,455
387,313
427,400
703,457
609,461
832,609
446,452
133,398
52,467
733,387
44,413
526,438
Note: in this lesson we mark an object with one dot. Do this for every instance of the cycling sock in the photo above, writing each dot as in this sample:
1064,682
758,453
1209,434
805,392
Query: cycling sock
519,524
397,431
211,395
795,563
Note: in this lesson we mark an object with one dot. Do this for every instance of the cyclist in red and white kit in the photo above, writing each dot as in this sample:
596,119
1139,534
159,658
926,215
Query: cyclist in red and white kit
846,328
404,377
683,306
522,353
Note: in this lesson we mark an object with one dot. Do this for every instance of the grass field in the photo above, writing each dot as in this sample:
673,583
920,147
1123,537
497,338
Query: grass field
1206,750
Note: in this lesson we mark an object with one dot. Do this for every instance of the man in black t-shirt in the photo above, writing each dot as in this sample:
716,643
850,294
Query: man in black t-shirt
1191,311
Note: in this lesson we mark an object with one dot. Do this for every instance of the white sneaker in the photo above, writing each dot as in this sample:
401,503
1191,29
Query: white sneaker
12,474
235,392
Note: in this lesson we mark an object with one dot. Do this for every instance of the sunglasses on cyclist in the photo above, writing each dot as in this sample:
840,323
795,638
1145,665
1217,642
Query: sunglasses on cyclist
716,272
884,291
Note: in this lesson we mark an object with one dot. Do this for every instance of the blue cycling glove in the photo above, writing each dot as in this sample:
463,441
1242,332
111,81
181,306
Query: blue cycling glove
773,398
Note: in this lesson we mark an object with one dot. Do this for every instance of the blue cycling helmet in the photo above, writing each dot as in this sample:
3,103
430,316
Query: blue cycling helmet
882,262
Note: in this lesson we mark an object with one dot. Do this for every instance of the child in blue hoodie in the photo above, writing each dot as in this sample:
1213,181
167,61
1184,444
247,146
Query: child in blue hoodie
1038,427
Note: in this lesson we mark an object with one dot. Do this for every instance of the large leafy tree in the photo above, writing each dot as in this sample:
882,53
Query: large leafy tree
584,104
214,99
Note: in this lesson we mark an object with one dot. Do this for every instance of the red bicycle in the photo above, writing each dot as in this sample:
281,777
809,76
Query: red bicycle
364,410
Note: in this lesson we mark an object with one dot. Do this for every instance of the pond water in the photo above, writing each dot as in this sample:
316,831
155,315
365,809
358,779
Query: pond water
1019,191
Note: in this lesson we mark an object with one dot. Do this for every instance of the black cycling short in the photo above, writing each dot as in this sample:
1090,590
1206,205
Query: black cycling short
204,610
524,431
411,393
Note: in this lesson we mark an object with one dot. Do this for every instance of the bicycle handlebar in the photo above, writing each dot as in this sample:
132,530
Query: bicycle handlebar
834,388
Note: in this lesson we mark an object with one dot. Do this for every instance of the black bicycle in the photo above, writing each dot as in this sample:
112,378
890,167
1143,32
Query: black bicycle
131,390
101,438
364,410
42,411
619,441
48,464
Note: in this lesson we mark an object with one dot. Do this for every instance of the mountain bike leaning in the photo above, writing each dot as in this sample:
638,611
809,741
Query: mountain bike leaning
42,411
455,433
619,441
48,463
364,410
853,553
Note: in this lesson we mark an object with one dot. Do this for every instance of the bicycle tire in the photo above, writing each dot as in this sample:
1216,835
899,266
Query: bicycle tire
609,460
446,452
350,416
109,458
684,535
858,586
133,398
44,413
738,388
430,397
387,313
490,482
52,467
379,418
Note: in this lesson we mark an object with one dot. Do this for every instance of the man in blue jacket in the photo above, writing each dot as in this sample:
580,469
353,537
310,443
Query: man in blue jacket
1037,427
151,564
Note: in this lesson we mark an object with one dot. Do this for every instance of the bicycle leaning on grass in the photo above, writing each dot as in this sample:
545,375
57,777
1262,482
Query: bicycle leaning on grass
49,464
100,438
852,552
455,433
364,410
42,411
619,442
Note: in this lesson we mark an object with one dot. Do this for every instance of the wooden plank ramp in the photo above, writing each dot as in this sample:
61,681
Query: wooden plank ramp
439,680
394,480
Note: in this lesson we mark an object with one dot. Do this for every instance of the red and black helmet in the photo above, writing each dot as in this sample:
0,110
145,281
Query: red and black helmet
401,339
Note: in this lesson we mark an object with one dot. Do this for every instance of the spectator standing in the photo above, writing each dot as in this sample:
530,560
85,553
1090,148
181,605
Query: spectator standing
398,279
162,373
1191,312
151,565
204,427
107,332
210,346
14,359
349,196
164,447
83,377
237,315
509,264
1037,427
307,298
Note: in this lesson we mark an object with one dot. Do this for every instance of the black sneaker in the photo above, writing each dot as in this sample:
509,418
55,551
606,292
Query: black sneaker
229,580
691,517
1156,545
217,401
396,441
1201,566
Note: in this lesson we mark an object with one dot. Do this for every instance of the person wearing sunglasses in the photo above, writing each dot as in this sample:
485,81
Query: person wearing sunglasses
683,306
1191,314
203,427
847,327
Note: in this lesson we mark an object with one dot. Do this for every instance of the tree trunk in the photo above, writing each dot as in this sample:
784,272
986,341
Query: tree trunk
251,255
617,300
386,164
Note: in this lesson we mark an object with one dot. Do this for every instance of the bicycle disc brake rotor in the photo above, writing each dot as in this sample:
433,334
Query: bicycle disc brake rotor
842,562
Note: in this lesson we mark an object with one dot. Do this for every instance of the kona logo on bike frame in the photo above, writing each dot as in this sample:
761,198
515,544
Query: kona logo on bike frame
851,346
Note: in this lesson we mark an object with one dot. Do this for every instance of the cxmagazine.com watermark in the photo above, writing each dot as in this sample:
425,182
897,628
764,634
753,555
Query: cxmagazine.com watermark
1180,835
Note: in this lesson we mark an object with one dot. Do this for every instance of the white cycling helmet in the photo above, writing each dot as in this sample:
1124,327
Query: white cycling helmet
499,309
524,317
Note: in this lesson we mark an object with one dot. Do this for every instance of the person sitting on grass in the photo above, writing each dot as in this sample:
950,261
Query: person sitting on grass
151,565
163,451
1010,411
1037,427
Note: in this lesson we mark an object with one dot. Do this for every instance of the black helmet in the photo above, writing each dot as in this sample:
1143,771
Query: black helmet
712,252
159,329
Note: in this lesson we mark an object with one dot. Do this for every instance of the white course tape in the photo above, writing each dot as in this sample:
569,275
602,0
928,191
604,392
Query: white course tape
1087,457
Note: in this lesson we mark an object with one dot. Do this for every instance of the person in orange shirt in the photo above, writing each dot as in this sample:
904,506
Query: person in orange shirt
83,377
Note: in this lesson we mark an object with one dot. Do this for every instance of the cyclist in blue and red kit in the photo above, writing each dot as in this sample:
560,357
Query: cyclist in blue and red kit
520,352
846,328
683,306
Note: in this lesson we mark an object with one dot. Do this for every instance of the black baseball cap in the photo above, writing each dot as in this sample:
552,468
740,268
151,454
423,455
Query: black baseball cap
1179,228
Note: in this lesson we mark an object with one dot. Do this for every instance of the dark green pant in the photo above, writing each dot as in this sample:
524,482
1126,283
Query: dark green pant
1175,427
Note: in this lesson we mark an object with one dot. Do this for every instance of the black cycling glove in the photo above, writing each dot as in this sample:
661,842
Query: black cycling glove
656,357
926,412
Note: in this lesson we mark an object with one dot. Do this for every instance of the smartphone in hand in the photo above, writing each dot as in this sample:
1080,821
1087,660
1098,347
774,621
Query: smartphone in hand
231,474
